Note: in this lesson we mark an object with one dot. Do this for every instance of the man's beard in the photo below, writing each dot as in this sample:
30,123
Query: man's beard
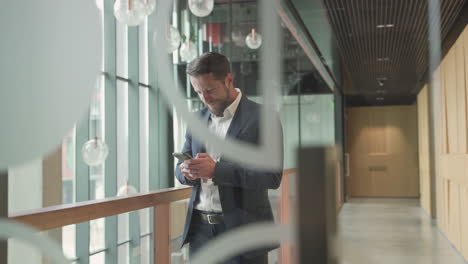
222,105
219,108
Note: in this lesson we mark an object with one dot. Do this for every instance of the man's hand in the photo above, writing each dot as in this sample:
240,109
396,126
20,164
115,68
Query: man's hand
202,166
185,170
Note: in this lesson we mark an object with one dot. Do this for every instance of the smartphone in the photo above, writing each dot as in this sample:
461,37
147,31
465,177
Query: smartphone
181,156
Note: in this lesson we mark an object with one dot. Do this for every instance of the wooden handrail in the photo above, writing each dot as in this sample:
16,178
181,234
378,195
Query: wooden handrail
67,214
289,171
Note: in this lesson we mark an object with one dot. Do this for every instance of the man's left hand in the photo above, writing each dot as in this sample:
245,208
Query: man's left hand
202,166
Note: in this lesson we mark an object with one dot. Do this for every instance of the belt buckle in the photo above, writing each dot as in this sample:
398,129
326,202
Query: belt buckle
210,219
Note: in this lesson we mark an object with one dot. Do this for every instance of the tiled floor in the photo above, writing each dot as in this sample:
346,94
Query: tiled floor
393,231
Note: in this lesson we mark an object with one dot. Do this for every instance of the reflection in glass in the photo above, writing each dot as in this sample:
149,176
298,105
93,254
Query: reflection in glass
100,4
126,190
94,152
245,68
148,6
238,38
129,12
253,40
173,39
188,51
201,8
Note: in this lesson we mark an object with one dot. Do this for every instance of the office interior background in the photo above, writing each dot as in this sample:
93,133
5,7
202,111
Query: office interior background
380,83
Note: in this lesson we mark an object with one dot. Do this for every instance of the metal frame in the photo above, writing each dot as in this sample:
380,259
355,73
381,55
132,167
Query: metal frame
134,137
110,180
82,189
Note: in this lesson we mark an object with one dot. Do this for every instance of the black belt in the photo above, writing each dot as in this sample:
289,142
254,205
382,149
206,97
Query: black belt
207,218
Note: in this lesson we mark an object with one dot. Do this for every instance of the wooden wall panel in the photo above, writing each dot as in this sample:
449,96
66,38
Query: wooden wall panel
382,143
440,203
460,95
444,134
446,205
423,145
451,100
452,160
454,214
464,220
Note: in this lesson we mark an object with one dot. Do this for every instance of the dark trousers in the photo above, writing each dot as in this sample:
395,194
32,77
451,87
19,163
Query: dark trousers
201,233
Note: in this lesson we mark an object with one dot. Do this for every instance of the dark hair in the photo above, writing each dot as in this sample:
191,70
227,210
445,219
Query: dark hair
210,62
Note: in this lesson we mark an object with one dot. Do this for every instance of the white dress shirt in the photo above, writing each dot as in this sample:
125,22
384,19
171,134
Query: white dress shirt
209,193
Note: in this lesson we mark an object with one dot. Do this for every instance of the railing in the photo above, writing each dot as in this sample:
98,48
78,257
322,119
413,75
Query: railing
68,214
62,215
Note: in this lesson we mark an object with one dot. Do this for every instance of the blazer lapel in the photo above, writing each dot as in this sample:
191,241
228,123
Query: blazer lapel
240,117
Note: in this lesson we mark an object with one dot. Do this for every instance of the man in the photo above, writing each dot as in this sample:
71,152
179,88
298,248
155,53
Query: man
225,194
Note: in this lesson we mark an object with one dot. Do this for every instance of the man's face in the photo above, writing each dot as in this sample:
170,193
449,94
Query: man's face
214,93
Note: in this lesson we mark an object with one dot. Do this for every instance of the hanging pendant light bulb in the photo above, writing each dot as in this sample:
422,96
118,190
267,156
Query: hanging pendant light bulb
94,152
188,51
172,38
253,39
201,8
149,6
126,189
238,38
129,12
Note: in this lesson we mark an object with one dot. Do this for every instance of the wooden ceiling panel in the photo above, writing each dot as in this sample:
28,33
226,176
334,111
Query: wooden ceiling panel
386,39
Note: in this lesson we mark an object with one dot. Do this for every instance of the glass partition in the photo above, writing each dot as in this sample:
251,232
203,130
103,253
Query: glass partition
306,105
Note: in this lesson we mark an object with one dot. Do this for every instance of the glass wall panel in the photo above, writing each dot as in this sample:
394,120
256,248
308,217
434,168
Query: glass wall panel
97,258
289,114
146,250
123,254
122,153
314,15
317,120
306,106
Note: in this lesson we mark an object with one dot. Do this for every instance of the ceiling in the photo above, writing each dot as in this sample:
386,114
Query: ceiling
384,46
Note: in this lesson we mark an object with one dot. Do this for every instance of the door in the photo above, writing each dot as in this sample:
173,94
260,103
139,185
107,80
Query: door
383,157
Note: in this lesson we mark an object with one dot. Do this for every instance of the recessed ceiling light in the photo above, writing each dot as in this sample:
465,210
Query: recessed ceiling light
381,81
385,25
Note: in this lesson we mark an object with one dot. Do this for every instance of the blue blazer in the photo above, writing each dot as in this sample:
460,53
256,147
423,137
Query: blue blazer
243,191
